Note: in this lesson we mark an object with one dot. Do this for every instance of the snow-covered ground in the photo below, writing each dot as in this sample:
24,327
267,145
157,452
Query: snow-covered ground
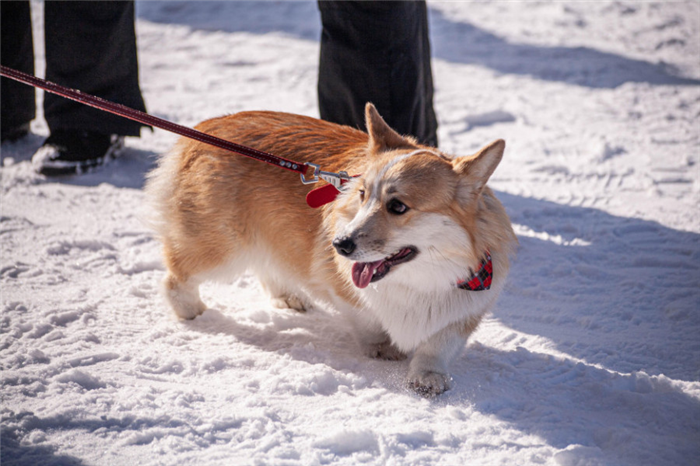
592,356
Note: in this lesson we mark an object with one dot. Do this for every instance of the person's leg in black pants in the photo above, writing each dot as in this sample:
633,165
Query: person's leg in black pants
18,104
91,46
377,52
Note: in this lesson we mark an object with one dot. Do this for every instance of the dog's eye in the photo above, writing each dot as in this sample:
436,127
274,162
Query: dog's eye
362,194
396,207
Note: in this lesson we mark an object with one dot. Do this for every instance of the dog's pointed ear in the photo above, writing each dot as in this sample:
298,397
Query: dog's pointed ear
475,170
381,136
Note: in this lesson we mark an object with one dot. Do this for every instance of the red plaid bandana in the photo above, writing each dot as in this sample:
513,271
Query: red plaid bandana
481,279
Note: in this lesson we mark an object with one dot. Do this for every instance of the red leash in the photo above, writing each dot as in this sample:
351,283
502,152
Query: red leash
336,179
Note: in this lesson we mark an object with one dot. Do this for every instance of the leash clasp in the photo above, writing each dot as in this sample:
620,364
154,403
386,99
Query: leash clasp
336,179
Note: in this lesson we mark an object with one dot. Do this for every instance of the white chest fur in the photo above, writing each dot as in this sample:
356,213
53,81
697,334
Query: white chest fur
410,316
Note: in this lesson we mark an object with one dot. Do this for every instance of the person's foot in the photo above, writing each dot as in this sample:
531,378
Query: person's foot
71,152
14,133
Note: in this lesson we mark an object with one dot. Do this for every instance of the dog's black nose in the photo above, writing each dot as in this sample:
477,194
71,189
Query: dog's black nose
344,246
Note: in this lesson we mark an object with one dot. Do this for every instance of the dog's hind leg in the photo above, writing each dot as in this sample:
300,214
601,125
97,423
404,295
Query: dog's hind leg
181,284
280,297
183,296
289,302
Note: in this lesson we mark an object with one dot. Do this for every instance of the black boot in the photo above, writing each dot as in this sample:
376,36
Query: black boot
71,152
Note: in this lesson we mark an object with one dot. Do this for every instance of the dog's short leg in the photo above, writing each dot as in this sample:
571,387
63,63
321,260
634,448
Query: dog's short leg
427,373
281,298
372,338
288,302
183,296
385,350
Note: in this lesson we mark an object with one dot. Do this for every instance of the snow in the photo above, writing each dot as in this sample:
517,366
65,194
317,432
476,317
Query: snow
591,357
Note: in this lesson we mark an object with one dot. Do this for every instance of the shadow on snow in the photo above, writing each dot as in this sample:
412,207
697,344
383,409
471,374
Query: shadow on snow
616,291
13,453
582,66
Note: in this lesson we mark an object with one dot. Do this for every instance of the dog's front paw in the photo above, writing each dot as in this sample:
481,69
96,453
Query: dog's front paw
428,383
386,351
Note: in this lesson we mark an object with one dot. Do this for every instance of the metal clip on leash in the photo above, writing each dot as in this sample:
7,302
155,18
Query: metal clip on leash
336,179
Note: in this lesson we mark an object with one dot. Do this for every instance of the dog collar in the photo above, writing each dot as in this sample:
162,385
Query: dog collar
481,279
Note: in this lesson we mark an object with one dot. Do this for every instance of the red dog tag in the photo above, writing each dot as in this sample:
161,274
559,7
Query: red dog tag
321,196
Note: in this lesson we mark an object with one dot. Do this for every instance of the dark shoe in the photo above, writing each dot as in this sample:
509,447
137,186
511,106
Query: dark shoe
14,133
70,152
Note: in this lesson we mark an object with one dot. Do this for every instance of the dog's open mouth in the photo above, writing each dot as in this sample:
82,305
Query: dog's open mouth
364,273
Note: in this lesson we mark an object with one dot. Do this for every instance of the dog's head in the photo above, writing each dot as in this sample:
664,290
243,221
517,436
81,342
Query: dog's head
414,205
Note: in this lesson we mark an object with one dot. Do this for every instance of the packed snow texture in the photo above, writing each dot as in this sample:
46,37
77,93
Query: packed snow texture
591,357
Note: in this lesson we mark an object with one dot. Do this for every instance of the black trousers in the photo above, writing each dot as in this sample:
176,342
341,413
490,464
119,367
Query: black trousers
377,52
90,46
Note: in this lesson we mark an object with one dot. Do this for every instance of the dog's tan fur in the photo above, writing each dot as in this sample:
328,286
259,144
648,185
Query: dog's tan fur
219,214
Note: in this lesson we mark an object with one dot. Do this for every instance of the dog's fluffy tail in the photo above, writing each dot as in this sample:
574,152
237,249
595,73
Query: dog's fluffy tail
159,191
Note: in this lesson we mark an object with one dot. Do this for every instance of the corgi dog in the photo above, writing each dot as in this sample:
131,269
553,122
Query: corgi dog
397,253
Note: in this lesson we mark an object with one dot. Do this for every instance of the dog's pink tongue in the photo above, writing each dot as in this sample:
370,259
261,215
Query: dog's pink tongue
362,272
